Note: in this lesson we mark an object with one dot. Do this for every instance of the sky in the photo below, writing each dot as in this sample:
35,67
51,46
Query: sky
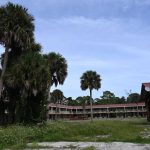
111,37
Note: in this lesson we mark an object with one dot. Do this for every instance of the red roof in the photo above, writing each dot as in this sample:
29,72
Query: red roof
146,84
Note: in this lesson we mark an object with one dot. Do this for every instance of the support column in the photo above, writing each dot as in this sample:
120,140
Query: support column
59,116
116,112
108,112
137,111
142,111
125,112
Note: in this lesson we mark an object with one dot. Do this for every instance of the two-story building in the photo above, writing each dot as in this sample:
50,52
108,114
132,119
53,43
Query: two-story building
99,111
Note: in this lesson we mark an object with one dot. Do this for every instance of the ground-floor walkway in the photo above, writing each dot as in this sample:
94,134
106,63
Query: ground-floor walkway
91,146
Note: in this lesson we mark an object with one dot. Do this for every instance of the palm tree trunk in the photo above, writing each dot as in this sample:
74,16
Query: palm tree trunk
48,98
49,93
3,69
91,105
2,114
83,109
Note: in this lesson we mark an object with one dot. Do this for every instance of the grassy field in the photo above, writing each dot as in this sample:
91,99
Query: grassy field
134,130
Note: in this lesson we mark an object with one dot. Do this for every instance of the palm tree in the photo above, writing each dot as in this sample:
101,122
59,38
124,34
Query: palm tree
16,29
90,80
31,75
58,68
57,98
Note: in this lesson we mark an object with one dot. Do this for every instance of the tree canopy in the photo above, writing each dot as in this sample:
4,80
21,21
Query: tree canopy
57,96
133,97
26,74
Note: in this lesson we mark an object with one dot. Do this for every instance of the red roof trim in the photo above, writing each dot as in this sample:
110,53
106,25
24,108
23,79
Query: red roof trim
146,84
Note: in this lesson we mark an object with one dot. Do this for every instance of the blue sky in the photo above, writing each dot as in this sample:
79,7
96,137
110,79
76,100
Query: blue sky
111,37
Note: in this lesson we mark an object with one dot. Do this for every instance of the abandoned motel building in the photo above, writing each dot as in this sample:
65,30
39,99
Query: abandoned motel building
103,111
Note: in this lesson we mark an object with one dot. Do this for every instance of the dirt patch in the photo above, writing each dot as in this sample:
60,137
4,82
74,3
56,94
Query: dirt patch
94,145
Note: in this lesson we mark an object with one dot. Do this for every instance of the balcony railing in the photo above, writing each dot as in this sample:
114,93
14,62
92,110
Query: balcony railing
96,111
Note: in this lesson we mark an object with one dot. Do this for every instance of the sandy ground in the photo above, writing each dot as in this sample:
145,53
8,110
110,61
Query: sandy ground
95,145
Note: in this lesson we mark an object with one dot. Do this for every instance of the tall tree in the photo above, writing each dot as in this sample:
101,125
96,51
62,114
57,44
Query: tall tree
31,75
71,102
107,95
58,68
16,28
133,98
90,80
107,98
57,98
